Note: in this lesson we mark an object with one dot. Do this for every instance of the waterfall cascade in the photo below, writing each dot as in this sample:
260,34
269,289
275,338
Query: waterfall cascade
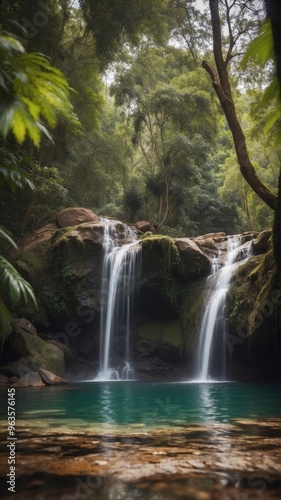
120,276
212,353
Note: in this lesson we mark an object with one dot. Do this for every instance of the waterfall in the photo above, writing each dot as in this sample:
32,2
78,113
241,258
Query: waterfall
212,340
120,273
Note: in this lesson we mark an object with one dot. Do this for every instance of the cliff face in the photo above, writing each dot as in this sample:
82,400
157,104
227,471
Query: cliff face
63,262
254,319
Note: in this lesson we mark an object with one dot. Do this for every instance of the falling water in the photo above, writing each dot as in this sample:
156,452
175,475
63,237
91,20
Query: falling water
212,346
120,274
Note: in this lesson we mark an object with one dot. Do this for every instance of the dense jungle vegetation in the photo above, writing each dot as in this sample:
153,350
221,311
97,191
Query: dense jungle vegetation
166,111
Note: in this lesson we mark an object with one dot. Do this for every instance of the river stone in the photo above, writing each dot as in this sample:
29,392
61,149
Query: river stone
74,216
193,261
31,379
51,379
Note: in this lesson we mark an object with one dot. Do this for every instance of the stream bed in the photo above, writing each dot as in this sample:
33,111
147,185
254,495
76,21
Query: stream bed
136,440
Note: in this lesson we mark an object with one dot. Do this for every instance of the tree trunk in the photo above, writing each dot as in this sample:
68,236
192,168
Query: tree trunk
221,84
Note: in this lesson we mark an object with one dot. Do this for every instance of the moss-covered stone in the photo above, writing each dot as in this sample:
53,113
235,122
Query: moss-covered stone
254,315
161,338
163,249
192,315
30,353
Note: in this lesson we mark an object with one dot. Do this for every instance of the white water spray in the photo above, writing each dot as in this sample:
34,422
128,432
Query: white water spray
120,273
214,325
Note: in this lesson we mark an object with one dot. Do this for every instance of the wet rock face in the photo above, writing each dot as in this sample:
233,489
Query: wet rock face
254,320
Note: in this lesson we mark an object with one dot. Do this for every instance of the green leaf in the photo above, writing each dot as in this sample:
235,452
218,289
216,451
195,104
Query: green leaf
13,283
19,125
4,234
261,48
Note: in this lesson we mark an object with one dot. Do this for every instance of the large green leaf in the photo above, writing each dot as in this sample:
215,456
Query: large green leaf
31,89
261,48
14,284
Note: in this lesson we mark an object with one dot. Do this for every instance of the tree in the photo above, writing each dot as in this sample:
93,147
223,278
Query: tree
165,95
273,11
221,83
114,23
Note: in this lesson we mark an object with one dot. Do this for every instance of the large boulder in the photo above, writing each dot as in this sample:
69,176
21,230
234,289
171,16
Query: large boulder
34,248
143,226
261,242
30,353
194,262
50,378
75,215
32,379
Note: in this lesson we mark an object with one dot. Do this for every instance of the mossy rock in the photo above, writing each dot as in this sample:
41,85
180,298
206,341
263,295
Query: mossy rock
162,251
254,297
254,316
192,311
28,351
161,338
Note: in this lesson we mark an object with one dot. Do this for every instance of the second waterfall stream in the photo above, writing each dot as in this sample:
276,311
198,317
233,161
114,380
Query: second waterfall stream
212,351
120,279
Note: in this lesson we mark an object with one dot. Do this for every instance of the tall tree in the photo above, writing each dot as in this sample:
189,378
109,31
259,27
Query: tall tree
221,83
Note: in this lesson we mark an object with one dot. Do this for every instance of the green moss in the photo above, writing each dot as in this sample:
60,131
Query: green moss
167,332
192,313
254,298
161,253
63,236
207,243
165,247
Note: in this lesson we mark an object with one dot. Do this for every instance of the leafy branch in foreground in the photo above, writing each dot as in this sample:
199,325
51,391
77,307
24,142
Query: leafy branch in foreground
31,90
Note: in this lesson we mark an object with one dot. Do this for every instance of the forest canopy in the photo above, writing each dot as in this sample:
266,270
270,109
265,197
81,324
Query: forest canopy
110,108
